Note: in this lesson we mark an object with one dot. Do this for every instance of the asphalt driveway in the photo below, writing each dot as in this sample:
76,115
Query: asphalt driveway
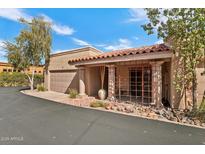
29,120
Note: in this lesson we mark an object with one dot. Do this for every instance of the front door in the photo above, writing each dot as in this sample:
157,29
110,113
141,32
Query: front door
140,84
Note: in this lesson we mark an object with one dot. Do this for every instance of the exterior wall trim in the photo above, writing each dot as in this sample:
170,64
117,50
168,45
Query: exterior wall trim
65,52
64,70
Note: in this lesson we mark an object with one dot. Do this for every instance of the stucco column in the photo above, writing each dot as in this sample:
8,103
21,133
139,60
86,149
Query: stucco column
157,83
49,80
81,81
111,82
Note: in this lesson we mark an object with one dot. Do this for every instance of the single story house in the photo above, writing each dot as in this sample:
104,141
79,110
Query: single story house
142,75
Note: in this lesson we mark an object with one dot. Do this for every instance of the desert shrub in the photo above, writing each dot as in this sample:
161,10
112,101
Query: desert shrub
200,112
97,104
40,87
18,79
202,106
73,93
38,79
13,79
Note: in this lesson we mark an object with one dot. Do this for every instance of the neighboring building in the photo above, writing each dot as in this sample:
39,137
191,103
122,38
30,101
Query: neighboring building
6,67
143,75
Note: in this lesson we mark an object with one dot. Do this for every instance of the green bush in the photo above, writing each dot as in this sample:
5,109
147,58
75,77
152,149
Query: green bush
202,106
97,104
199,113
40,87
38,79
73,93
18,79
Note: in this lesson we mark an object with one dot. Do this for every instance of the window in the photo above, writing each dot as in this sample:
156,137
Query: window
4,70
14,70
19,71
39,71
35,71
9,70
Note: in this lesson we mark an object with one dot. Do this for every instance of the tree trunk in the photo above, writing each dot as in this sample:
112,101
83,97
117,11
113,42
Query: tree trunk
32,80
185,98
194,91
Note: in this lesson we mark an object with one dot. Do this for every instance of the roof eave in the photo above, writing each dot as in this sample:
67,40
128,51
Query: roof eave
145,56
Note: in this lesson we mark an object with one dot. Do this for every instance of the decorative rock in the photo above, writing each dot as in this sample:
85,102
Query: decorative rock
118,108
158,112
151,115
197,122
144,114
129,109
122,109
174,119
203,124
192,122
184,120
107,107
161,117
113,107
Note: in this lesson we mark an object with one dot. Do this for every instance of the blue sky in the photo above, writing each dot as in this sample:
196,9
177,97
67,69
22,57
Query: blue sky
105,29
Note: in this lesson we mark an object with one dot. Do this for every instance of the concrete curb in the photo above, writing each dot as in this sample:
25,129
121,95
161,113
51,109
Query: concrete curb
117,112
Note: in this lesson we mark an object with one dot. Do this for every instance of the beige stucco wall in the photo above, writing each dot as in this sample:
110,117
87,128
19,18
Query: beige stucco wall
200,82
178,100
122,73
60,61
92,81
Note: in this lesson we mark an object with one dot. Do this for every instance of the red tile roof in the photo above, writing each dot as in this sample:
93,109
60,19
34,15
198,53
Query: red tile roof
124,52
4,64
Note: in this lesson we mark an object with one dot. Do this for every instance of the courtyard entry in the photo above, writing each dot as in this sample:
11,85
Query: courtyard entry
140,84
134,84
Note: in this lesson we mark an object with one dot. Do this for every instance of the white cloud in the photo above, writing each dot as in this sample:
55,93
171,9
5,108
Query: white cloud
57,51
137,14
1,43
136,38
58,28
14,14
120,44
80,42
2,52
100,45
159,42
62,30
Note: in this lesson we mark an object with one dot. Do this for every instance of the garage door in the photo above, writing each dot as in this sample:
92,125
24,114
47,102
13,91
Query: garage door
61,81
